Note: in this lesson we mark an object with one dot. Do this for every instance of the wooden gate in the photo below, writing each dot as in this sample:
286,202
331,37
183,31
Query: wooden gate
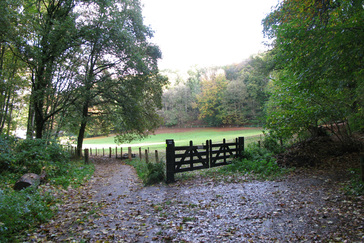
192,157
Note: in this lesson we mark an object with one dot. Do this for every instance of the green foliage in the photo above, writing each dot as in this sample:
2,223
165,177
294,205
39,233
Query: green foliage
355,185
7,155
20,210
140,167
211,98
150,173
32,156
72,174
318,51
256,161
233,95
156,173
271,144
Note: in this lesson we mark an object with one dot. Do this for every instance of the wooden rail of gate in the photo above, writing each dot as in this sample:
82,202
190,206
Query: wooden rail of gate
188,158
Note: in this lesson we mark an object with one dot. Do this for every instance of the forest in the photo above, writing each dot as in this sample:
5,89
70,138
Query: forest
235,94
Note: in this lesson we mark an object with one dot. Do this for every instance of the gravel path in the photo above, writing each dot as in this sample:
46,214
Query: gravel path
115,207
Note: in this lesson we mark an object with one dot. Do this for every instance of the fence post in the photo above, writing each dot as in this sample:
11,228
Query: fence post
170,160
191,155
224,146
129,153
156,156
241,146
109,152
208,153
116,152
96,152
140,153
103,152
146,156
86,156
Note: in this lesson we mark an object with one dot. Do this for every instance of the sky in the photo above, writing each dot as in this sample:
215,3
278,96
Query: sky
206,32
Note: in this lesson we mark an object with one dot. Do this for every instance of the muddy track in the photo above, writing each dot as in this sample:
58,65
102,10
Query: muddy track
304,206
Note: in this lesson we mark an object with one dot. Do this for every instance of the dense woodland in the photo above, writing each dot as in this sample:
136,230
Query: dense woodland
231,95
71,67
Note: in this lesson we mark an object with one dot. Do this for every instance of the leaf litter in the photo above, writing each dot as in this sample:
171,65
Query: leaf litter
114,206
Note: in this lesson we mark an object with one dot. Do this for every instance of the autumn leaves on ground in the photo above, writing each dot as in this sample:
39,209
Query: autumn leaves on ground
306,204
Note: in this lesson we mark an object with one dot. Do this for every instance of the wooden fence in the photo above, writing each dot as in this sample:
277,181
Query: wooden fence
189,158
115,152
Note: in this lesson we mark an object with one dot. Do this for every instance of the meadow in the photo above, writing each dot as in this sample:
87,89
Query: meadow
181,137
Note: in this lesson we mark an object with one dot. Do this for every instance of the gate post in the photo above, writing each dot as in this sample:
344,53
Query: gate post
208,154
170,150
241,146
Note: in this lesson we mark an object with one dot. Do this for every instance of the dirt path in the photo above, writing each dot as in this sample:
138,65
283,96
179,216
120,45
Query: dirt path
302,207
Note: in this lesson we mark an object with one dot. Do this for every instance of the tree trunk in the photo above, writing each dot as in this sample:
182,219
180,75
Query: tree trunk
30,124
81,133
7,104
10,115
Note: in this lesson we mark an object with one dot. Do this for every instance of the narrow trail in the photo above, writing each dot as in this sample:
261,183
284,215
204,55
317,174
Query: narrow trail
116,207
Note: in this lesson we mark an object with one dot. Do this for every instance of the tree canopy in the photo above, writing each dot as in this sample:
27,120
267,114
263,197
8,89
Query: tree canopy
83,62
318,55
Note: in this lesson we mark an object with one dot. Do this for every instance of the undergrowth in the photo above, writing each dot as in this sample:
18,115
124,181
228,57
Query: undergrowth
257,161
151,173
355,185
23,210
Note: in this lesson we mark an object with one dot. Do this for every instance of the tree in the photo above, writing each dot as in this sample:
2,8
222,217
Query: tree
234,103
211,98
119,78
44,38
318,52
180,100
250,79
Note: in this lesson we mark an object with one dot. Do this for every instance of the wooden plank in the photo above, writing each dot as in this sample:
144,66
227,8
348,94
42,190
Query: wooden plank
190,169
187,162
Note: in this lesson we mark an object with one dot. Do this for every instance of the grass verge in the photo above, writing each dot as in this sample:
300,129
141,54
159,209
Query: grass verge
22,211
151,173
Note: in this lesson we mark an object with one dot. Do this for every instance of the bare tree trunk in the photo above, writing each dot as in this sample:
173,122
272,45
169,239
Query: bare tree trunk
10,115
81,133
30,124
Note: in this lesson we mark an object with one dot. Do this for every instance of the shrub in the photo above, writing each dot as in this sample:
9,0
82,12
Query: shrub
7,155
355,186
155,173
271,143
20,210
257,161
33,155
150,173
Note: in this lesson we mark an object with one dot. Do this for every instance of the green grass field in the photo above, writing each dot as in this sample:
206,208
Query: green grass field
157,142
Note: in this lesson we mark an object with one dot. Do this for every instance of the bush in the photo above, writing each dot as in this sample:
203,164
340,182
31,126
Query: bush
355,185
20,210
7,155
155,173
150,173
33,155
257,161
271,143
